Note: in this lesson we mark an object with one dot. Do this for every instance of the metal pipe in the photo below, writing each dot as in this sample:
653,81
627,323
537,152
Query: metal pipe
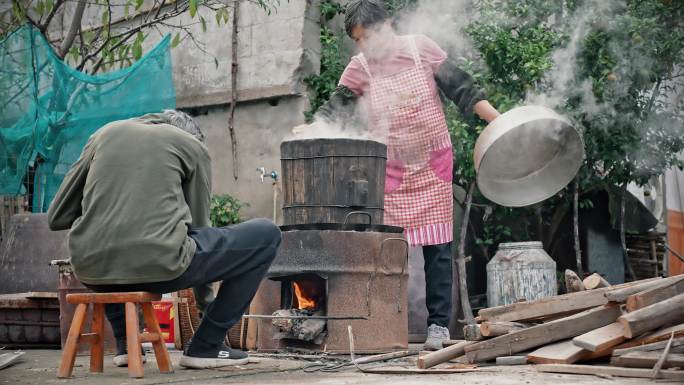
260,316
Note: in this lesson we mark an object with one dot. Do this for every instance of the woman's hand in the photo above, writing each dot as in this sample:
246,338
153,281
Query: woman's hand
485,111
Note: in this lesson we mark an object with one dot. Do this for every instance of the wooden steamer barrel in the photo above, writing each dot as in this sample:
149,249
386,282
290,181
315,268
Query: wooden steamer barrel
325,179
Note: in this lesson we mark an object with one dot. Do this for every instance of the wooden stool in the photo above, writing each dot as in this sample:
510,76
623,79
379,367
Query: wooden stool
96,338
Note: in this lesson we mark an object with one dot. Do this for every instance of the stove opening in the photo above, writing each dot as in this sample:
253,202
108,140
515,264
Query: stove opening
302,296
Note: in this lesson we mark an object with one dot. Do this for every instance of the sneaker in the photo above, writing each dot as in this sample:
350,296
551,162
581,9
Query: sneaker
121,357
436,335
213,358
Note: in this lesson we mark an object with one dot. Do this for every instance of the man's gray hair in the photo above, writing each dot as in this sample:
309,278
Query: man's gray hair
178,119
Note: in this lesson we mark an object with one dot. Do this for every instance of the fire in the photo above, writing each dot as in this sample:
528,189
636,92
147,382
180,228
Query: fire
305,298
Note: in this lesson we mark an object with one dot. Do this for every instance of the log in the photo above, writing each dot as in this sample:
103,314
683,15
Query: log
649,297
542,334
472,333
609,371
442,355
621,294
647,360
448,343
660,345
601,338
595,281
664,313
495,329
573,283
550,306
511,360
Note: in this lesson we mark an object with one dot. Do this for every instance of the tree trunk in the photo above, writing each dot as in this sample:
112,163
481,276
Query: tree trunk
623,242
461,263
73,29
575,228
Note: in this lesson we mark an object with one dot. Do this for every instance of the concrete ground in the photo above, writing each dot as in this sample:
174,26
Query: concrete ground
40,367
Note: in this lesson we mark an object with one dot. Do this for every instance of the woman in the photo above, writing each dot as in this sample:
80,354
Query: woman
397,78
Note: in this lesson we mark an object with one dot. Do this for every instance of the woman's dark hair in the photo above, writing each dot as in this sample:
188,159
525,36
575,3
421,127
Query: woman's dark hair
365,13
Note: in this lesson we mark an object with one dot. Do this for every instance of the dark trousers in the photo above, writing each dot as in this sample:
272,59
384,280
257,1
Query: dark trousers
438,283
237,255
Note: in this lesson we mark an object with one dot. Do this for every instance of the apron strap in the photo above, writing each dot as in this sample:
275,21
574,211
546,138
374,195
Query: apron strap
364,64
414,51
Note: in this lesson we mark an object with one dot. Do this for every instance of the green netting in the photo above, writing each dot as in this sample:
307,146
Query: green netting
48,109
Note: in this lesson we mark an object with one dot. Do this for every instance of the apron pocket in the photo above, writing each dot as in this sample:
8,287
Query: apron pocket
394,175
442,163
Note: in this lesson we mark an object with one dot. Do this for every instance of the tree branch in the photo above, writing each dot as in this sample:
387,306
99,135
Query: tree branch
44,25
73,29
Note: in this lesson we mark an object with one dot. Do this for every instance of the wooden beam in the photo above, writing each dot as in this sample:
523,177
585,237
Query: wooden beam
495,329
660,345
649,297
545,307
601,338
663,313
621,294
542,334
609,371
442,355
647,360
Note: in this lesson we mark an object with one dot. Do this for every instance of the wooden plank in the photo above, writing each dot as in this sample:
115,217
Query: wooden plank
544,307
663,313
601,338
660,345
609,371
495,329
621,294
542,334
564,352
511,360
647,360
400,370
649,297
442,355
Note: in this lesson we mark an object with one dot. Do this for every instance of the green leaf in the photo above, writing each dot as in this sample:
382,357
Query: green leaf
193,8
204,24
175,41
138,4
40,8
49,6
105,17
137,50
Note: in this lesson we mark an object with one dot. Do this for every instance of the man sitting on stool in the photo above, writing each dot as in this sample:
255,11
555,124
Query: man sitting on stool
137,203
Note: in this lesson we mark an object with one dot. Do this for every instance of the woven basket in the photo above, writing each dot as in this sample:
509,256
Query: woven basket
189,319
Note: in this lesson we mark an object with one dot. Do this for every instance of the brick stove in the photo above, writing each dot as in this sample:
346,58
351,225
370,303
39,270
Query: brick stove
335,267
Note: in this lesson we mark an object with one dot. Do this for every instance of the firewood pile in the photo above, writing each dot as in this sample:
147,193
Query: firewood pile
629,330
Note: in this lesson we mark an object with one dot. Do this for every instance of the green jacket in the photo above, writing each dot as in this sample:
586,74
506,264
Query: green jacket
130,200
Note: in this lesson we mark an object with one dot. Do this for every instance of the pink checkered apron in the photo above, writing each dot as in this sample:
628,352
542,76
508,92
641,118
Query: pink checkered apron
408,115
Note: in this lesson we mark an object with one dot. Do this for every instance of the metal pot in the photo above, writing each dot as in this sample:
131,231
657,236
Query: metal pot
527,155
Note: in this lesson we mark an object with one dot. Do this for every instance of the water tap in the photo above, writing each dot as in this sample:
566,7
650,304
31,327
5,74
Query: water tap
262,174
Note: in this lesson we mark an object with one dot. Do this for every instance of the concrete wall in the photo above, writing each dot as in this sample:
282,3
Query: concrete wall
275,51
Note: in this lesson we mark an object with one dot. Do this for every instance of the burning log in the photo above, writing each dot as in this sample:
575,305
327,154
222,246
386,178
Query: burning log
312,330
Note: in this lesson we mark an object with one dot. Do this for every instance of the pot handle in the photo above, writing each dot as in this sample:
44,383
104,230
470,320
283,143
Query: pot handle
370,217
